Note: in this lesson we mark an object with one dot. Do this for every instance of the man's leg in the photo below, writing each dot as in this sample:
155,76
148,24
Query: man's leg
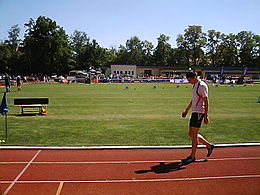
203,140
193,133
209,146
196,137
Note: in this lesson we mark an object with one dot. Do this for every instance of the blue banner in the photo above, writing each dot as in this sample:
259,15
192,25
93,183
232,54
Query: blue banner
222,70
4,106
245,70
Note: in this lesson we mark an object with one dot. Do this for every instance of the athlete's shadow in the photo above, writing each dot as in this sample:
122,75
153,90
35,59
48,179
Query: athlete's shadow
164,168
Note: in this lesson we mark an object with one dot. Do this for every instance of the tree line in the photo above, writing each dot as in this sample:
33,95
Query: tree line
46,49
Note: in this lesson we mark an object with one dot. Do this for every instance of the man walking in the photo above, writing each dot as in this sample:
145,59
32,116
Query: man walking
7,83
18,82
199,105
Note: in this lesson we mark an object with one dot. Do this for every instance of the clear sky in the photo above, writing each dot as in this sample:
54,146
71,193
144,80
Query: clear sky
113,22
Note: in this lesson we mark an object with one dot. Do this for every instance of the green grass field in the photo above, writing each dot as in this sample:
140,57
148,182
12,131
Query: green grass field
109,114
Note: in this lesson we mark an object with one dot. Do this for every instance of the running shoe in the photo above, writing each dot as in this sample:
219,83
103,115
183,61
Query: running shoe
188,160
210,149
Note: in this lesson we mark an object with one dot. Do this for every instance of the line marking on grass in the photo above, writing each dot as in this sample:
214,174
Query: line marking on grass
142,180
21,173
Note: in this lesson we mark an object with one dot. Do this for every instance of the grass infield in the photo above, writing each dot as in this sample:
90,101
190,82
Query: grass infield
130,114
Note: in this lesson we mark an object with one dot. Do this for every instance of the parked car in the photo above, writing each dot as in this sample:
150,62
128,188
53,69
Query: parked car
77,76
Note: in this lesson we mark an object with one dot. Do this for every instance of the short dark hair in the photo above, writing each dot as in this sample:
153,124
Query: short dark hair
191,74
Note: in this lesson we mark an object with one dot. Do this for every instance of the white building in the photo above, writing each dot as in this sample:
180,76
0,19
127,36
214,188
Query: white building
126,70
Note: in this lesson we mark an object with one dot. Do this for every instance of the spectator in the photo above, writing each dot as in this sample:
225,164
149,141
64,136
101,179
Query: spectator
7,83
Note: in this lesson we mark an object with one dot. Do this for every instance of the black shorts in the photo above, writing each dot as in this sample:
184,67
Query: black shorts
196,119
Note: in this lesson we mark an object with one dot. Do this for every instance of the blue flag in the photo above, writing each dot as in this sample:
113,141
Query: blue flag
4,106
245,70
222,70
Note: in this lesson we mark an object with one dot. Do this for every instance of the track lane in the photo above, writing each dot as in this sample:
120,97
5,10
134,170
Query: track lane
89,172
126,171
142,155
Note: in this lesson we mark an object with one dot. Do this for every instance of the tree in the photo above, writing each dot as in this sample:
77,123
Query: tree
86,52
135,52
213,42
122,55
256,51
110,56
195,40
227,51
46,47
134,49
147,58
93,55
182,52
13,37
162,51
79,41
246,44
11,58
5,56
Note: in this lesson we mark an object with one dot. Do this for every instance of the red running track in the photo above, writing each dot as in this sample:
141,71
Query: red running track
231,170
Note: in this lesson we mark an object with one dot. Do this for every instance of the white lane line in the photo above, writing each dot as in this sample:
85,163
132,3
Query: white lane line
120,147
21,173
131,162
142,180
242,158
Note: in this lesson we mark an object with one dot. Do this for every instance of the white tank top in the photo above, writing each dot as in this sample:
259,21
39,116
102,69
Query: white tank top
200,90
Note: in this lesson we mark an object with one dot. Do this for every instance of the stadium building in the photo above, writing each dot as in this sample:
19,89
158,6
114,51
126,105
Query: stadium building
165,71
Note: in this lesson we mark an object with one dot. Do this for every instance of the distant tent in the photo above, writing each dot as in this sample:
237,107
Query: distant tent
92,71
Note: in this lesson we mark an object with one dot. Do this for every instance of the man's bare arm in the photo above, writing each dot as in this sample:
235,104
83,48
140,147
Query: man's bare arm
206,103
185,112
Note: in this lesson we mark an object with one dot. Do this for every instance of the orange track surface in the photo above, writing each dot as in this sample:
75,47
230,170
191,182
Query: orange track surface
232,170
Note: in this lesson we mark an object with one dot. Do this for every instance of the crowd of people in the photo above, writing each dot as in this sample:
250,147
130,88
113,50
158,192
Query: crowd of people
9,80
